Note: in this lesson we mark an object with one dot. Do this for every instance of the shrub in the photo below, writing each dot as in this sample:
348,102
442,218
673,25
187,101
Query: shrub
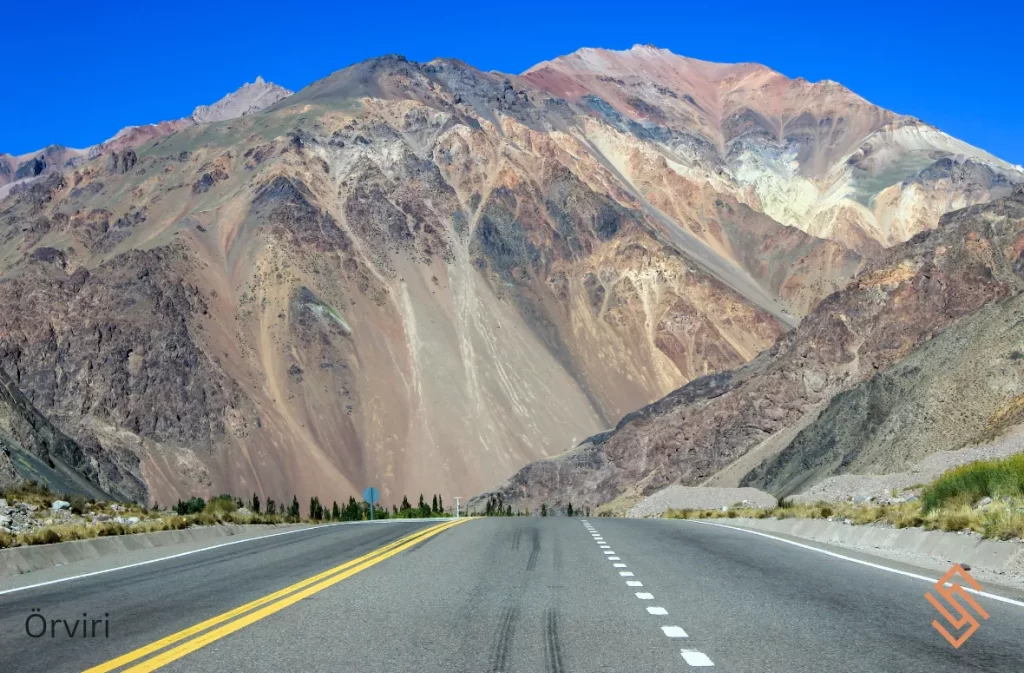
991,478
42,536
957,518
222,504
110,528
77,504
6,540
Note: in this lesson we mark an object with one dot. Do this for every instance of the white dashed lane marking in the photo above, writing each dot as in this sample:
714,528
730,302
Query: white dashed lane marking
695,658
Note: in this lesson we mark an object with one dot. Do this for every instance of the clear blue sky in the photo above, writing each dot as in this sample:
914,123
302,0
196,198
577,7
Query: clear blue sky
77,72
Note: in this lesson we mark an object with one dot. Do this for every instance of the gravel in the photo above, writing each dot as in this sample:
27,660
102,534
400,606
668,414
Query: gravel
879,487
699,497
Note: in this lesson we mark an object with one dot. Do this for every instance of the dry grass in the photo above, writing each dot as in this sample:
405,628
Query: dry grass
1003,519
949,503
153,523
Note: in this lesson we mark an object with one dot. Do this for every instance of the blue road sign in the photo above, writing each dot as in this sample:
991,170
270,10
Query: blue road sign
370,496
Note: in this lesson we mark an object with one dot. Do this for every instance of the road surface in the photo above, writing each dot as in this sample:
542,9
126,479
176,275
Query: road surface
509,595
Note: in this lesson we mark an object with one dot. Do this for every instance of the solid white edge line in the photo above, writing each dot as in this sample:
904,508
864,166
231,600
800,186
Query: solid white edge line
858,561
196,551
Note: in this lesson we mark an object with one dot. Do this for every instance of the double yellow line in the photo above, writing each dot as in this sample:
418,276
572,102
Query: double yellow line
268,605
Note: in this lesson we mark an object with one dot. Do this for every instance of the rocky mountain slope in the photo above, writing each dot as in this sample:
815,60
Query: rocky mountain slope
24,169
894,360
813,155
420,275
33,448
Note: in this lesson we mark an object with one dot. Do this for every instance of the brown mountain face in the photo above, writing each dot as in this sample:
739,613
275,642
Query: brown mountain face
419,276
760,424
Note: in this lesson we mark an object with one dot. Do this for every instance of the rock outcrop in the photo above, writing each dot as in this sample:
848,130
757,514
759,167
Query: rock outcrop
869,352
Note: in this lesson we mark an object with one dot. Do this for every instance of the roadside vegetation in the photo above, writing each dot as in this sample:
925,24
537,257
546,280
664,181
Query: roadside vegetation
31,514
986,497
496,506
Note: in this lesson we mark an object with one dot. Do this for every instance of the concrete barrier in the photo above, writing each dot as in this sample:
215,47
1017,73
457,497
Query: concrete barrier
998,556
18,560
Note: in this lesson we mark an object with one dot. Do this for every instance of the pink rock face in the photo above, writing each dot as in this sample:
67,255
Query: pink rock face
813,155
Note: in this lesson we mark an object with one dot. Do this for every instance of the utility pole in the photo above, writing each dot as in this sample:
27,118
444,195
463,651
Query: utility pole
456,507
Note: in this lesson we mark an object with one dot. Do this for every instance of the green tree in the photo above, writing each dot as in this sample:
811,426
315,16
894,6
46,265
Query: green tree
433,505
271,506
440,504
293,511
568,510
543,509
336,512
405,504
353,512
193,505
255,506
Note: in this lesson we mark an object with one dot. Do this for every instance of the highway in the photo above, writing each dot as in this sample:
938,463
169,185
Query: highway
502,595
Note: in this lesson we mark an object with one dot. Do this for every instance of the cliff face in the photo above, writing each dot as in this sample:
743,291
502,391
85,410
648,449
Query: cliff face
842,357
422,276
33,448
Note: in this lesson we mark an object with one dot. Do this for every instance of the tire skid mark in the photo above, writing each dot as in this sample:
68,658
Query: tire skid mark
552,643
503,642
531,563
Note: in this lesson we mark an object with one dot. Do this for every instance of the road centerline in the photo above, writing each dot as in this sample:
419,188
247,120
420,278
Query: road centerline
271,603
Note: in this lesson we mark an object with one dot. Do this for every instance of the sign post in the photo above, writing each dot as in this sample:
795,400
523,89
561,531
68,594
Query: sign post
370,496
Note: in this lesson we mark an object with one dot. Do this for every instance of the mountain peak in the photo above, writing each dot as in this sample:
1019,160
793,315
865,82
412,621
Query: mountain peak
245,100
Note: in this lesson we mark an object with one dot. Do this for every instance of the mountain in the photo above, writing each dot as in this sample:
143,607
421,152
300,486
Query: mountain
23,170
423,276
880,374
813,155
247,99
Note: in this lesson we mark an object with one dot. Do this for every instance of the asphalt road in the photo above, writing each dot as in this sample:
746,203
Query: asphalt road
516,595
